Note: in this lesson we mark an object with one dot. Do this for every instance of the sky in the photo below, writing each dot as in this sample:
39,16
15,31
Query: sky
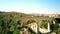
31,6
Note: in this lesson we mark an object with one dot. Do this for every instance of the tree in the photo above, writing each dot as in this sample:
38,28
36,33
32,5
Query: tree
30,21
16,31
11,25
18,22
43,24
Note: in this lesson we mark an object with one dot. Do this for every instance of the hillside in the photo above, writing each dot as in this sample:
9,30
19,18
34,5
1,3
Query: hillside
15,23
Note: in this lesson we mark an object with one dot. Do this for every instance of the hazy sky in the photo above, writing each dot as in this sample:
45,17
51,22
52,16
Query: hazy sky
31,6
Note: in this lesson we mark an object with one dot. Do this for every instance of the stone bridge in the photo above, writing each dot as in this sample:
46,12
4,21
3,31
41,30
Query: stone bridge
37,20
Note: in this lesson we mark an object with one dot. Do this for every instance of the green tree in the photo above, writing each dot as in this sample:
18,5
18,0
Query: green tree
43,24
30,21
16,31
0,29
11,25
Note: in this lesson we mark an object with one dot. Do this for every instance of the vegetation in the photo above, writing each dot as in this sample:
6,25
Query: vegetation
55,27
13,23
43,24
30,21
